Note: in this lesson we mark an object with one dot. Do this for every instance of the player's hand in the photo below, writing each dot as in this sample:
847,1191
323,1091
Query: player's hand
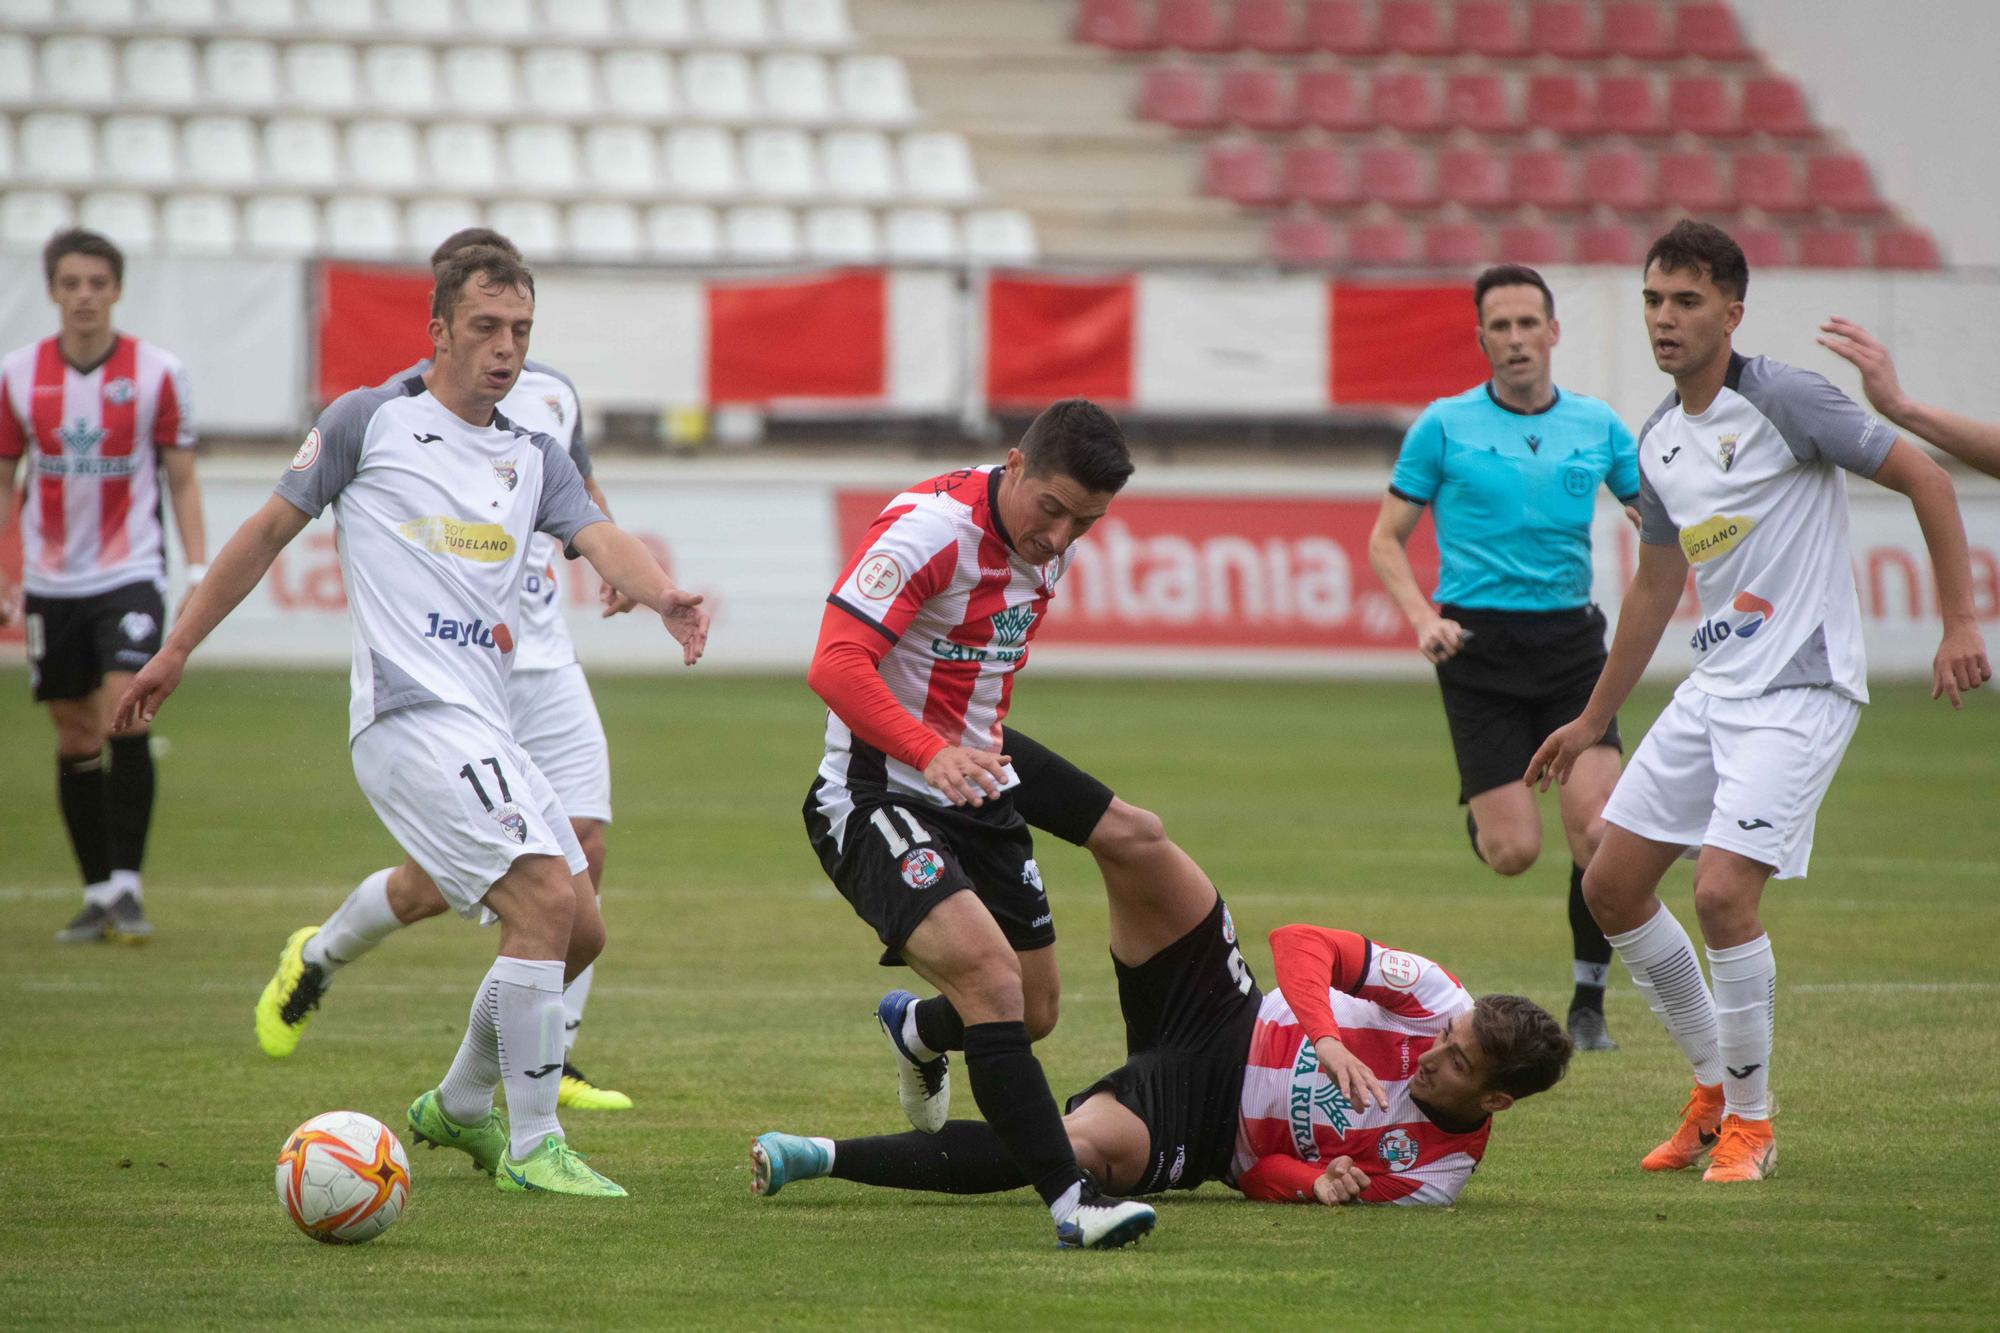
1961,664
1852,343
10,603
1341,1182
148,690
1559,753
615,602
686,619
1438,638
966,775
1355,1080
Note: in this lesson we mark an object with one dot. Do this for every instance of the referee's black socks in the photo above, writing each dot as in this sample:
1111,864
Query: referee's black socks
80,791
129,800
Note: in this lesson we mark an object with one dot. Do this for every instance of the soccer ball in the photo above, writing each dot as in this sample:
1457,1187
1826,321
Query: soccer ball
343,1177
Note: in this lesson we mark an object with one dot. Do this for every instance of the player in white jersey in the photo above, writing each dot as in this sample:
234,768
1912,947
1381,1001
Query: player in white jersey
553,718
1972,442
436,494
98,414
1741,478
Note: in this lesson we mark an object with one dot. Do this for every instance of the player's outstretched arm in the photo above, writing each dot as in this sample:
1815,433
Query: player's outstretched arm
1388,552
1976,443
244,558
615,602
623,561
185,494
1961,663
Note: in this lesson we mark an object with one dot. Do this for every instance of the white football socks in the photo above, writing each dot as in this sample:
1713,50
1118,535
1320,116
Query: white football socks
101,894
528,1015
915,1044
362,921
466,1094
575,996
1746,992
1661,959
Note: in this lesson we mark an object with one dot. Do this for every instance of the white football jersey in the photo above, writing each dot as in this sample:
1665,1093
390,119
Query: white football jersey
435,520
1753,493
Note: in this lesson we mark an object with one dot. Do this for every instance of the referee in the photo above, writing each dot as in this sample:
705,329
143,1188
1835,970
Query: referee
1510,470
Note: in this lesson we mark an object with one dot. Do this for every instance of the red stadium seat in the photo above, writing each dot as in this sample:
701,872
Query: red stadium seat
1319,174
1257,96
1415,27
1630,104
1178,96
1618,178
1194,25
1544,177
1119,25
1241,172
1530,243
1303,238
1379,243
1692,180
1333,100
1763,246
1841,181
1710,31
1775,105
1407,100
1479,102
1344,27
1831,247
1564,28
1396,177
1769,181
1269,26
1609,243
1702,104
1487,28
1560,102
1636,28
1474,176
1457,244
1906,247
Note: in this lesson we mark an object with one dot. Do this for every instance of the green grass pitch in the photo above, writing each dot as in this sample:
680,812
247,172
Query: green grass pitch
139,1123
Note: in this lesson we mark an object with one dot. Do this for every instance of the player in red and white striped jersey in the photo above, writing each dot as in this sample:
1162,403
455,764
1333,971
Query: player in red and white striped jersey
97,414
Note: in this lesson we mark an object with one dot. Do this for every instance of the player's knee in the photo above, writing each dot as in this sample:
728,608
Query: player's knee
412,895
1509,856
988,990
1040,1012
77,737
1602,891
1719,904
586,941
1126,832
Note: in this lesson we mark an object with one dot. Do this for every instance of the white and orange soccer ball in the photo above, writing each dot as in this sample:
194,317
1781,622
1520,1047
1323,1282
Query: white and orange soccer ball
343,1177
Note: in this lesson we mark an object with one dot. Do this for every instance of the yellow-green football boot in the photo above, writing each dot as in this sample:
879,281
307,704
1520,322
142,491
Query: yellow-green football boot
485,1143
578,1093
289,998
555,1168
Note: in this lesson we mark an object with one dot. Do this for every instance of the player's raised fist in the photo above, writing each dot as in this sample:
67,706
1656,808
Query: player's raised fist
1341,1182
148,690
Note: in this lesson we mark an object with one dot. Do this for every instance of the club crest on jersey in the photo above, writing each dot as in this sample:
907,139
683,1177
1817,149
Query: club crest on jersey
555,406
879,578
1725,451
922,868
512,822
1010,627
120,391
1752,609
79,437
1397,1150
308,451
504,473
1228,927
1031,875
136,625
1399,969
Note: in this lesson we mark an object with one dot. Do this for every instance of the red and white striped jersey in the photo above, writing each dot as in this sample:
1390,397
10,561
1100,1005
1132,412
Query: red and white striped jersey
91,521
1291,1109
938,578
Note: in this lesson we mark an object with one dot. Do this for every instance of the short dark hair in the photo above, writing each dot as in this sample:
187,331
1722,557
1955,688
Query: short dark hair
466,237
1527,1046
490,262
1703,249
77,241
1511,275
1080,440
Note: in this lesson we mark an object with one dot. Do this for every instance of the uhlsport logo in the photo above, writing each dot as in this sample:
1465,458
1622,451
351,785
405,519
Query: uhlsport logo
1750,613
1397,1150
922,868
487,543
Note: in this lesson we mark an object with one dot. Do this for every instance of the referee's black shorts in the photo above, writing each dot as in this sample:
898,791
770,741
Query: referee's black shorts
1522,675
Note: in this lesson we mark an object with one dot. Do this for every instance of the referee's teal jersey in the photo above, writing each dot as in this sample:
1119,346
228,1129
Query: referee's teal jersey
1512,495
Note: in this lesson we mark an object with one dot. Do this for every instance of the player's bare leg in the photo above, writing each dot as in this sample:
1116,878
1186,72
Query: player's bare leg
106,794
578,1092
1582,802
1728,887
1155,891
1506,828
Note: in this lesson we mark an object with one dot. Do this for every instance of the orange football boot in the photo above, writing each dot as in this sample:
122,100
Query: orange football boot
1747,1151
1701,1121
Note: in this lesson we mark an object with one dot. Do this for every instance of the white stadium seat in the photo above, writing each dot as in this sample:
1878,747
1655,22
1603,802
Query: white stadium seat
668,22
559,80
541,159
281,224
78,71
193,14
842,235
604,231
27,217
198,224
683,233
779,163
639,83
322,75
241,71
921,236
479,75
858,164
701,162
344,16
219,150
139,150
101,13
937,164
427,17
429,220
580,20
875,89
57,146
462,155
815,22
362,226
533,226
17,70
383,154
763,233
28,13
735,22
717,86
1000,236
508,18
260,15
795,85
125,217
399,78
621,160
301,151
159,71
6,149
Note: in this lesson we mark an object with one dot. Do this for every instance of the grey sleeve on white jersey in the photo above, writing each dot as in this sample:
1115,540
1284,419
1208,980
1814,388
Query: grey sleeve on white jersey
1817,420
566,508
331,454
578,454
1656,527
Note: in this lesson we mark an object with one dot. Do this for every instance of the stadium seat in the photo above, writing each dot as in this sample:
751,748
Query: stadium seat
1709,31
1194,25
139,150
579,20
1618,178
78,71
541,159
1560,102
780,163
28,216
716,85
603,231
1414,27
875,89
1532,243
1395,176
1256,97
195,14
259,15
842,234
57,147
701,162
814,22
1905,247
735,22
667,22
1702,104
858,164
1178,96
639,83
301,152
621,160
1764,246
125,217
364,227
198,224
1478,101
1385,243
1000,236
17,70
1692,180
429,220
462,155
101,13
1318,174
1842,182
1472,175
559,80
937,164
1544,177
241,72
1564,28
1302,238
1270,26
1117,25
1830,247
336,16
531,224
921,236
400,78
1630,104
432,18
6,149
1609,243
322,76
479,75
1767,180
281,224
1455,244
1240,171
1773,104
683,233
383,155
220,150
1407,100
761,233
795,86
158,71
1333,100
1638,29
1488,28
1344,27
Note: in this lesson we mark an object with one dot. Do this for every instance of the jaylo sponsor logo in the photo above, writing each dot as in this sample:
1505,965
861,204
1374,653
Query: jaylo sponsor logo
1751,611
474,633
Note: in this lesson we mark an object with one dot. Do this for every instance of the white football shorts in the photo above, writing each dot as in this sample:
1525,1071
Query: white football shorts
555,721
1746,775
461,798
